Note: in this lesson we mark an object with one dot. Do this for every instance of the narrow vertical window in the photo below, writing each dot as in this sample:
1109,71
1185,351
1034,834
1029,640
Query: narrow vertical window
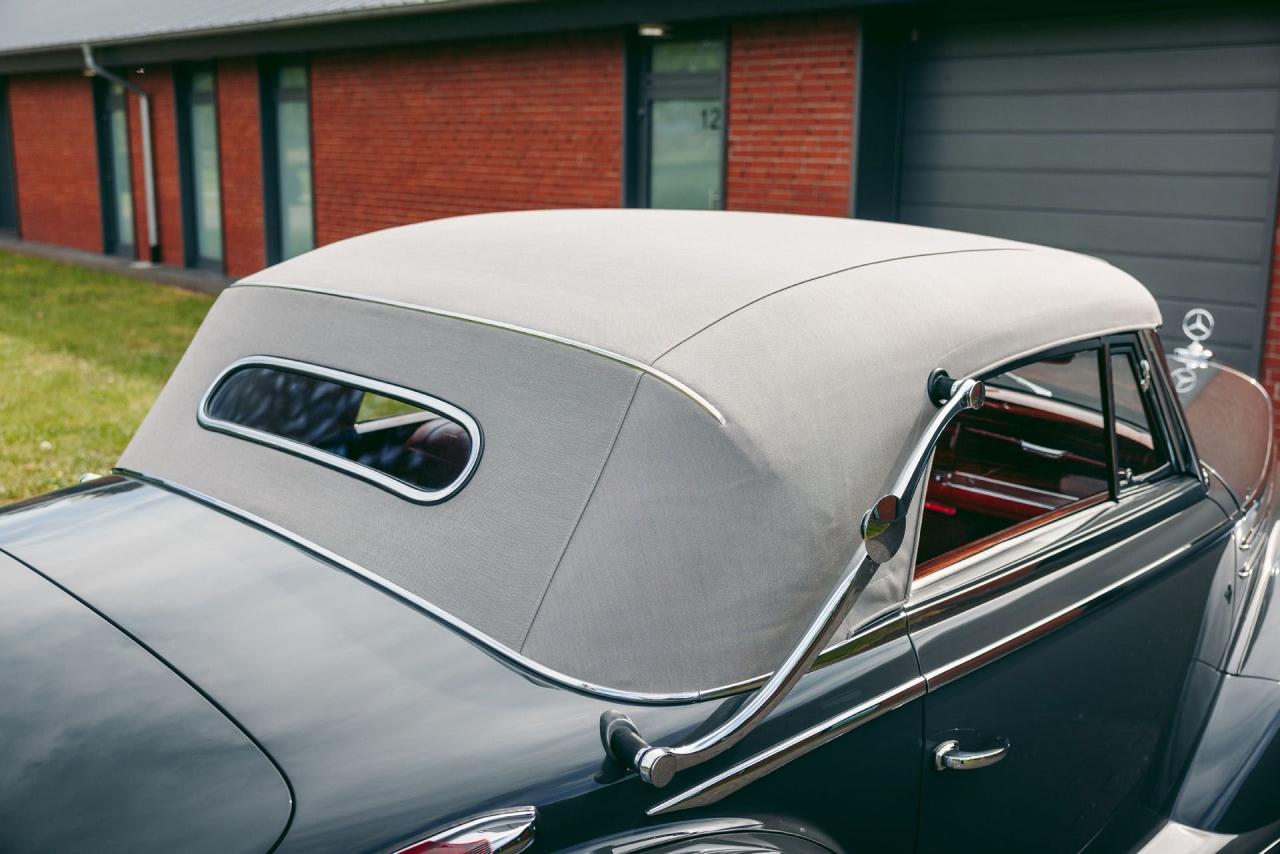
202,183
679,132
287,161
8,192
113,169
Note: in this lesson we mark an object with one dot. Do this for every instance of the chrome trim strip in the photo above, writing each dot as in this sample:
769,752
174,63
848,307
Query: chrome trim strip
365,473
940,676
754,767
509,327
508,831
1243,637
849,646
1176,838
639,841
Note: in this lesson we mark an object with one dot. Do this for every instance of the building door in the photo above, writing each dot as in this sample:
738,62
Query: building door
201,178
116,185
1148,138
678,129
8,182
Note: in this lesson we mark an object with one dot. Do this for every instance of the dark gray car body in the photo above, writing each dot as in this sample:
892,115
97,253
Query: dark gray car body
688,463
280,702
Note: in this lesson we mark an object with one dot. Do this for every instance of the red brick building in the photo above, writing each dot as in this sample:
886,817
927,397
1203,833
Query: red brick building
1147,133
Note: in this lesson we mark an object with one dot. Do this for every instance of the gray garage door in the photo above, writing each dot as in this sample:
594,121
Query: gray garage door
1147,139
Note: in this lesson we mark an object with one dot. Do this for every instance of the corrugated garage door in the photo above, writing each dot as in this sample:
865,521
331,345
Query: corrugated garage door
1147,139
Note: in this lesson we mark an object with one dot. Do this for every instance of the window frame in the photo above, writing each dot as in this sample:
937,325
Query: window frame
270,95
9,213
638,107
187,183
1155,422
105,100
941,566
333,461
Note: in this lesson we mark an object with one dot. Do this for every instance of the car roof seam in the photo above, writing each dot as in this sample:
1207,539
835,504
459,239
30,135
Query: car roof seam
604,464
826,275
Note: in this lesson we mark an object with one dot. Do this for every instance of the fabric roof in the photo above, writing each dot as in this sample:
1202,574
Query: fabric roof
614,530
636,282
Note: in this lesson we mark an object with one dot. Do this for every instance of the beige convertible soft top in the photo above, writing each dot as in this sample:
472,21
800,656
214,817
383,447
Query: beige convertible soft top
684,413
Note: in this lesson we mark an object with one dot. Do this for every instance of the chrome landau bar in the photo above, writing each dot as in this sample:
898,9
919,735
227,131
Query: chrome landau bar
883,529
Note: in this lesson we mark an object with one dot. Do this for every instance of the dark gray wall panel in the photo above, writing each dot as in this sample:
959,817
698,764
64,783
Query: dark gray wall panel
1145,112
1146,138
1199,153
1098,234
1091,71
1226,196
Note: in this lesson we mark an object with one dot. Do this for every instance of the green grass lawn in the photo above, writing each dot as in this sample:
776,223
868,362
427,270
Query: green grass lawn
82,356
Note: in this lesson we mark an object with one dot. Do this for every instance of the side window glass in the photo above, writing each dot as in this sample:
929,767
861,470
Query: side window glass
1140,454
1038,445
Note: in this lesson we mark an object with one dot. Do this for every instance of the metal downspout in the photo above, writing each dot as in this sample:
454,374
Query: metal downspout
91,69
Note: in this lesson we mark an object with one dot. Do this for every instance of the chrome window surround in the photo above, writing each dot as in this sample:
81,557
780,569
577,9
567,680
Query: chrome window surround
1157,412
333,461
1172,418
657,374
1175,439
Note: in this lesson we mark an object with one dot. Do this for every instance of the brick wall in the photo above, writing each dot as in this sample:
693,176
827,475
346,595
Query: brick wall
240,153
791,113
407,135
55,158
157,81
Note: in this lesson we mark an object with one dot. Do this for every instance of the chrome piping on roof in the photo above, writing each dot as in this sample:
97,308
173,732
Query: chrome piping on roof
325,458
656,373
830,655
548,674
752,768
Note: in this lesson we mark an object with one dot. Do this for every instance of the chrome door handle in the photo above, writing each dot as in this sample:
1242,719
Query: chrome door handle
949,755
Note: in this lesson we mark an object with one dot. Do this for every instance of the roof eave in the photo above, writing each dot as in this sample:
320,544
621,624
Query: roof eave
434,21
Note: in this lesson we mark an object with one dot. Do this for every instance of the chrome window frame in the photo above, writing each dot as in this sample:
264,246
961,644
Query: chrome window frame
1133,348
1073,525
333,461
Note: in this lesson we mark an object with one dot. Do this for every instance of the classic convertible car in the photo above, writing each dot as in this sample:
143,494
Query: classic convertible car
641,531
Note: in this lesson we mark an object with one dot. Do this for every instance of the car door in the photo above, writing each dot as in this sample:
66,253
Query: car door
1066,552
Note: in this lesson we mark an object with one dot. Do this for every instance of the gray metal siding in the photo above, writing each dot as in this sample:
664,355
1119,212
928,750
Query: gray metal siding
1149,139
